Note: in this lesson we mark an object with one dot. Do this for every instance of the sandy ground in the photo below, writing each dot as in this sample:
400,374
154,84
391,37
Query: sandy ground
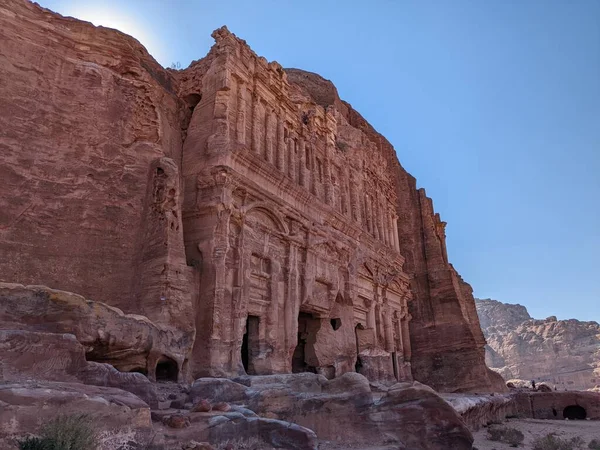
532,429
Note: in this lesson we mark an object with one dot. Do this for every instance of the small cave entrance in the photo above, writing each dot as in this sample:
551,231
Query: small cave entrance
358,365
307,328
250,344
166,370
575,412
395,365
336,324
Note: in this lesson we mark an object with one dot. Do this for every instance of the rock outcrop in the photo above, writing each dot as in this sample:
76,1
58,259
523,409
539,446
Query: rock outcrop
243,209
563,353
24,407
344,410
128,342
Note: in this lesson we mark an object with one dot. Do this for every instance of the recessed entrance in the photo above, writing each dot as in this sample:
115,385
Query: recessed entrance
574,412
358,364
166,370
307,329
250,344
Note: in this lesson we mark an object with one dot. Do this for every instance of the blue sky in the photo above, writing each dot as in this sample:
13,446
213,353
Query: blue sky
494,106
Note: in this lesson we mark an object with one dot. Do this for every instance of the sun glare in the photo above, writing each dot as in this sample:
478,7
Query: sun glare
119,21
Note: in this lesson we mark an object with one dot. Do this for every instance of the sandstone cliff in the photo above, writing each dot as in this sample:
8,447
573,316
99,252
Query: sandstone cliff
243,205
564,353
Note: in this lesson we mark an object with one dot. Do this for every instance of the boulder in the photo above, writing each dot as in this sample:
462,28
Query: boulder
25,406
38,355
128,342
408,415
99,374
218,390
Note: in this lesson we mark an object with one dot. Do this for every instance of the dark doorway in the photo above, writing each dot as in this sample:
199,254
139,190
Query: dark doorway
574,412
358,364
307,326
395,364
250,344
166,370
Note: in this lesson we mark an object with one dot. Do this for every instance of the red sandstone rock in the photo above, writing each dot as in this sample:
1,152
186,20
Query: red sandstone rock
563,353
221,406
129,342
89,120
343,410
176,421
202,406
25,406
245,210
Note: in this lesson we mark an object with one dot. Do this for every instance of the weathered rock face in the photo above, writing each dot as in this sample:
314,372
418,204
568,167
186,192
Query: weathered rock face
235,203
563,353
91,144
128,342
25,407
343,410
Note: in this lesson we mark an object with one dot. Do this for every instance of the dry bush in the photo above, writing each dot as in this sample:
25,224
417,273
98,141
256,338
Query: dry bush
594,444
510,436
242,444
553,442
74,432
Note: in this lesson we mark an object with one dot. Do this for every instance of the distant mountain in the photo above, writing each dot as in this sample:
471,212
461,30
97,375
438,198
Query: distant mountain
565,353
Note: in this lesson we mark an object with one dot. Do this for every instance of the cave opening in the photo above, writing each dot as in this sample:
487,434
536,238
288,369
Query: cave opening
250,344
307,328
574,412
166,370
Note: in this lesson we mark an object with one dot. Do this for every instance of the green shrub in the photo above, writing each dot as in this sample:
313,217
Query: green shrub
594,444
510,436
35,443
74,432
553,442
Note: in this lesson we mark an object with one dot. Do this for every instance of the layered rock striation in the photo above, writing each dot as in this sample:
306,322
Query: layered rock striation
257,221
563,353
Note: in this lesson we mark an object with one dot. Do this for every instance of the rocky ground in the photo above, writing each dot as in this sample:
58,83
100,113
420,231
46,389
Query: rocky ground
534,429
563,353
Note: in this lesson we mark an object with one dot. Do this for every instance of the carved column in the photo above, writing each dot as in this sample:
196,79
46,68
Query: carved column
371,314
302,153
292,300
256,123
269,135
327,181
280,144
380,221
395,233
406,334
399,341
388,329
292,156
241,115
272,319
390,229
368,213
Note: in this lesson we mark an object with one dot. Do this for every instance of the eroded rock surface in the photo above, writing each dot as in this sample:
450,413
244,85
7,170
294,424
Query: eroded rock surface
24,407
563,353
344,410
242,206
127,342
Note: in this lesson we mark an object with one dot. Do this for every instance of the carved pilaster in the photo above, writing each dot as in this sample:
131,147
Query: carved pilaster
292,157
302,154
269,135
256,124
240,126
280,144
